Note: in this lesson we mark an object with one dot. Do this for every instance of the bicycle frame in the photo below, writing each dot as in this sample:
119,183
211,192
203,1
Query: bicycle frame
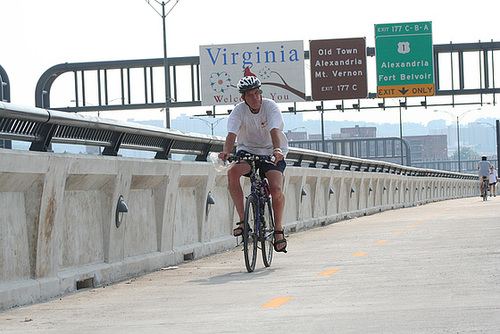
484,188
260,190
259,230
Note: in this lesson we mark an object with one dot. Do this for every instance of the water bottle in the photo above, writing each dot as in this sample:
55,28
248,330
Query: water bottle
217,163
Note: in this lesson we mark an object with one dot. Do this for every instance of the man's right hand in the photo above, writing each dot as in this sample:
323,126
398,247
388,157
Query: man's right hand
223,156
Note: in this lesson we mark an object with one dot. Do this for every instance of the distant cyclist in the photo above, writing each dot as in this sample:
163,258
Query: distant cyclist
483,169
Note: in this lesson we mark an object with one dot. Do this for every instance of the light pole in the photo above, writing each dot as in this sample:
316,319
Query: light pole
402,104
163,15
458,118
321,109
211,125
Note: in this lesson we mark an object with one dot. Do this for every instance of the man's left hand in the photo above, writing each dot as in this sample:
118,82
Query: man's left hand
278,156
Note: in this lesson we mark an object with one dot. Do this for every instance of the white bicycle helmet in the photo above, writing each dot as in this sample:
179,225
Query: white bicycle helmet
248,83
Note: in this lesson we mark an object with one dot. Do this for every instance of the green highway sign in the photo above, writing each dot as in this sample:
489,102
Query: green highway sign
405,65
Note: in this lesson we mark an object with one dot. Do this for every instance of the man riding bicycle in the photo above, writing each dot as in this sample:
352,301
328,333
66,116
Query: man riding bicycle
483,169
257,124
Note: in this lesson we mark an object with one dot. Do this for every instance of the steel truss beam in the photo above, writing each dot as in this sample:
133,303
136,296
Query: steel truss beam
142,94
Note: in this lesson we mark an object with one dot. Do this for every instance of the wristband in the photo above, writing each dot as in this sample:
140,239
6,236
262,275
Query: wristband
278,150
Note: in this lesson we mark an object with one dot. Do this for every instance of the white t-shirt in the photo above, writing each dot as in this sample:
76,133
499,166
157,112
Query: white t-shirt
484,168
253,131
493,176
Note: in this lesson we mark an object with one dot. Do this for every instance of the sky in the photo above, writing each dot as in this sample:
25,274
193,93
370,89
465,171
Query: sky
37,35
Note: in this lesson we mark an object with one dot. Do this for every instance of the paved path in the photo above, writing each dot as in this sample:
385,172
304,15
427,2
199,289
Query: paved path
427,269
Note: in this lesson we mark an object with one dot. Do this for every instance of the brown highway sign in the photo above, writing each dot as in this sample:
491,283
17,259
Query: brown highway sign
338,69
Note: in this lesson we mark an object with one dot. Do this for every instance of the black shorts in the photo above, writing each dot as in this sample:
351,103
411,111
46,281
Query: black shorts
264,167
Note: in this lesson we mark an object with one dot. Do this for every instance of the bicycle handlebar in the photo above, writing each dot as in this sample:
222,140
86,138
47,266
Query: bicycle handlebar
252,157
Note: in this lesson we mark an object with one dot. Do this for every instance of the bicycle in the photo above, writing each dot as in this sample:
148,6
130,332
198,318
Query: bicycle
259,220
484,188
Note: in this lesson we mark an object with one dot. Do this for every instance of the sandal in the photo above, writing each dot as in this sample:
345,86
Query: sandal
239,230
277,242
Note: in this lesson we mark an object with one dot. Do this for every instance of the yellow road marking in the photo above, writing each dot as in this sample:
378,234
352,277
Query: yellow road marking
380,241
360,254
276,302
410,226
328,272
421,221
397,232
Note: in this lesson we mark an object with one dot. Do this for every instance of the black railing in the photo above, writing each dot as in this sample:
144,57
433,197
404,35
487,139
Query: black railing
43,127
103,76
5,97
466,165
382,148
4,85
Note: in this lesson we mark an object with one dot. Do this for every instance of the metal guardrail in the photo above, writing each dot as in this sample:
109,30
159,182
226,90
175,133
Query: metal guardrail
102,80
365,148
4,85
467,166
42,127
4,96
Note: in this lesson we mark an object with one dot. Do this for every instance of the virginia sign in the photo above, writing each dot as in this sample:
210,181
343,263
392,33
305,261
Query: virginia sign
278,65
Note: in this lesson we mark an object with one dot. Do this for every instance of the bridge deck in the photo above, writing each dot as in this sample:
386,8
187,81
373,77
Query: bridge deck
432,268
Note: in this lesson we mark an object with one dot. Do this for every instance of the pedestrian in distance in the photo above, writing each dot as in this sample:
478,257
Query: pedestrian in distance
493,180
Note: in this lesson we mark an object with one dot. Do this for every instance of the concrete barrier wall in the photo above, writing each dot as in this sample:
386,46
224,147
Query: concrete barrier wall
58,230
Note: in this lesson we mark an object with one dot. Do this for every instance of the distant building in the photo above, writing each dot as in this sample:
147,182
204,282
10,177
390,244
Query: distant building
428,148
340,135
359,131
315,136
95,150
296,135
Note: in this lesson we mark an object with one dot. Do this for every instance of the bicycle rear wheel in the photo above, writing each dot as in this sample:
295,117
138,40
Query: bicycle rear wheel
250,231
485,190
267,233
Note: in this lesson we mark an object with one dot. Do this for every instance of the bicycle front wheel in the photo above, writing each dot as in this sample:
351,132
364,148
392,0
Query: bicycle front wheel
267,233
250,231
